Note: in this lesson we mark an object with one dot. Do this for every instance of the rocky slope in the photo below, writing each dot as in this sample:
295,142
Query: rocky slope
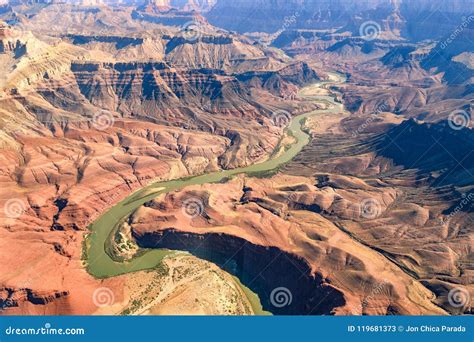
86,120
373,217
265,221
269,16
399,18
429,81
398,202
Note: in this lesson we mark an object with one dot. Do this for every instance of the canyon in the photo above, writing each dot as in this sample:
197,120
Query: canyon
103,105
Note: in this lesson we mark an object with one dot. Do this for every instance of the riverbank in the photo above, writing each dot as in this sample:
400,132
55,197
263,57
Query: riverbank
101,265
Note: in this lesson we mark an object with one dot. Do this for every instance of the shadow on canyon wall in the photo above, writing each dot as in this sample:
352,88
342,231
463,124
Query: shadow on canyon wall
262,269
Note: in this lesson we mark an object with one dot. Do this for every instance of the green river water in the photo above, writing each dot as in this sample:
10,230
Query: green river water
101,265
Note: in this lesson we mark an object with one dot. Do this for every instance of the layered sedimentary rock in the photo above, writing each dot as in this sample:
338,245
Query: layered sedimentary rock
98,101
405,18
247,222
366,203
427,231
86,121
262,15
